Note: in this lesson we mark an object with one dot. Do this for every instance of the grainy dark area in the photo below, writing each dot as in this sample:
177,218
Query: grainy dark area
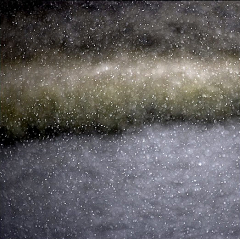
30,29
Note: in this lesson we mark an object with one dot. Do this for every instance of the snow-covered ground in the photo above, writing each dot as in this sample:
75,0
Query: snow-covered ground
176,180
164,76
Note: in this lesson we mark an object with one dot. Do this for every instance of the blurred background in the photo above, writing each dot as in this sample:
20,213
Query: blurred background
205,29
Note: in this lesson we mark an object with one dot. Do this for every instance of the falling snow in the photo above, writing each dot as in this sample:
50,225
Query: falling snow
178,180
120,120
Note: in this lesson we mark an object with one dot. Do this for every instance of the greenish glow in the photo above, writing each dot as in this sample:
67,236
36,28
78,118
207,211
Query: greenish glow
113,95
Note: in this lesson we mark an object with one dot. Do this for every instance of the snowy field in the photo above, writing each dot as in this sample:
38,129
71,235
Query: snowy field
176,180
120,120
